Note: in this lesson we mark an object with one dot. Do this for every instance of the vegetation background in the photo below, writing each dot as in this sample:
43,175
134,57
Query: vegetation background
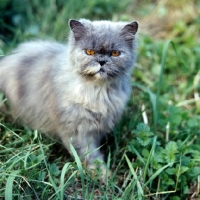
154,152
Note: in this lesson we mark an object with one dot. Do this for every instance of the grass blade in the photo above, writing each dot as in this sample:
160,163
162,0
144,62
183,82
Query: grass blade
49,174
149,158
152,97
62,176
107,169
157,173
164,56
139,187
128,189
9,185
79,164
139,157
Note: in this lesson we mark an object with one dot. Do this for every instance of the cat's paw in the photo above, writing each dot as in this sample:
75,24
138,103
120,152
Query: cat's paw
99,170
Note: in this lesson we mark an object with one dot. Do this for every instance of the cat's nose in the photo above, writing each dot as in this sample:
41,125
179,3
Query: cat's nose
102,62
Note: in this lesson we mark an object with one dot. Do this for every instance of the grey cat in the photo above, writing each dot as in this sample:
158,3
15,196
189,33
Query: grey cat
76,92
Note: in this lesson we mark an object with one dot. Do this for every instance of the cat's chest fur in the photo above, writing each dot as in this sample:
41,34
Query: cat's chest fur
97,106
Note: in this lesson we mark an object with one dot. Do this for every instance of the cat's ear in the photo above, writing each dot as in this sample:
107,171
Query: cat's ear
129,31
77,28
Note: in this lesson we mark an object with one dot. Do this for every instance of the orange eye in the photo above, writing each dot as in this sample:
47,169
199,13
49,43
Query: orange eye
115,53
90,52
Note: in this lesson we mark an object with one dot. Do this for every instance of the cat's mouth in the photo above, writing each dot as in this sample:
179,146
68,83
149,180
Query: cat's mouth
92,71
101,70
96,72
100,75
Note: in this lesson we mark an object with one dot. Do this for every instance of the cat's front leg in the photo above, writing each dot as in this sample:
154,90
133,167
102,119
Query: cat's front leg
88,148
91,156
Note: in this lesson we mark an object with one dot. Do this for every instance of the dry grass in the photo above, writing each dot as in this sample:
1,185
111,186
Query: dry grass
167,14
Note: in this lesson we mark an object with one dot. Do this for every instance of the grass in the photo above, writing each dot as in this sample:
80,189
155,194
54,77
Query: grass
156,151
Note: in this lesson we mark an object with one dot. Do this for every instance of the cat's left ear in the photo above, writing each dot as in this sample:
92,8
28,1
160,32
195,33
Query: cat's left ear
129,31
77,28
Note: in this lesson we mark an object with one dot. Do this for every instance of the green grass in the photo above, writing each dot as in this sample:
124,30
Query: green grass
160,160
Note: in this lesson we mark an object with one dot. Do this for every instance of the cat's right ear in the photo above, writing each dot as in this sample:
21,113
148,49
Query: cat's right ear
77,28
129,31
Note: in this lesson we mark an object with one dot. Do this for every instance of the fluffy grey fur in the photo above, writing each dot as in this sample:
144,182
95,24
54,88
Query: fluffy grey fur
60,90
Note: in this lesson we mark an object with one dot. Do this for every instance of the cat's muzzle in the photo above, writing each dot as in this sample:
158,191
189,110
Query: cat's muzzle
96,71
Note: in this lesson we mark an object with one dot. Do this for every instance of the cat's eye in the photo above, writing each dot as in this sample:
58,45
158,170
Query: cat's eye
90,52
115,53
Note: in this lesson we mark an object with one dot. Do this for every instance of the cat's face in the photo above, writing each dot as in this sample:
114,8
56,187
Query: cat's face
102,50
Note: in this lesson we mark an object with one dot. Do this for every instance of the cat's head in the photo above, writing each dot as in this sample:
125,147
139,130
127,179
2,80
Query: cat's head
102,50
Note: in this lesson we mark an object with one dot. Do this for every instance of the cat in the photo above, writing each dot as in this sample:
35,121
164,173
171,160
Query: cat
76,92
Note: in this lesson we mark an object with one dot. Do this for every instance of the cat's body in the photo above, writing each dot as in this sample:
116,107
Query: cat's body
67,91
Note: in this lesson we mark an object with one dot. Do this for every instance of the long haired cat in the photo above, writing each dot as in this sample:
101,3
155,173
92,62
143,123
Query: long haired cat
76,92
